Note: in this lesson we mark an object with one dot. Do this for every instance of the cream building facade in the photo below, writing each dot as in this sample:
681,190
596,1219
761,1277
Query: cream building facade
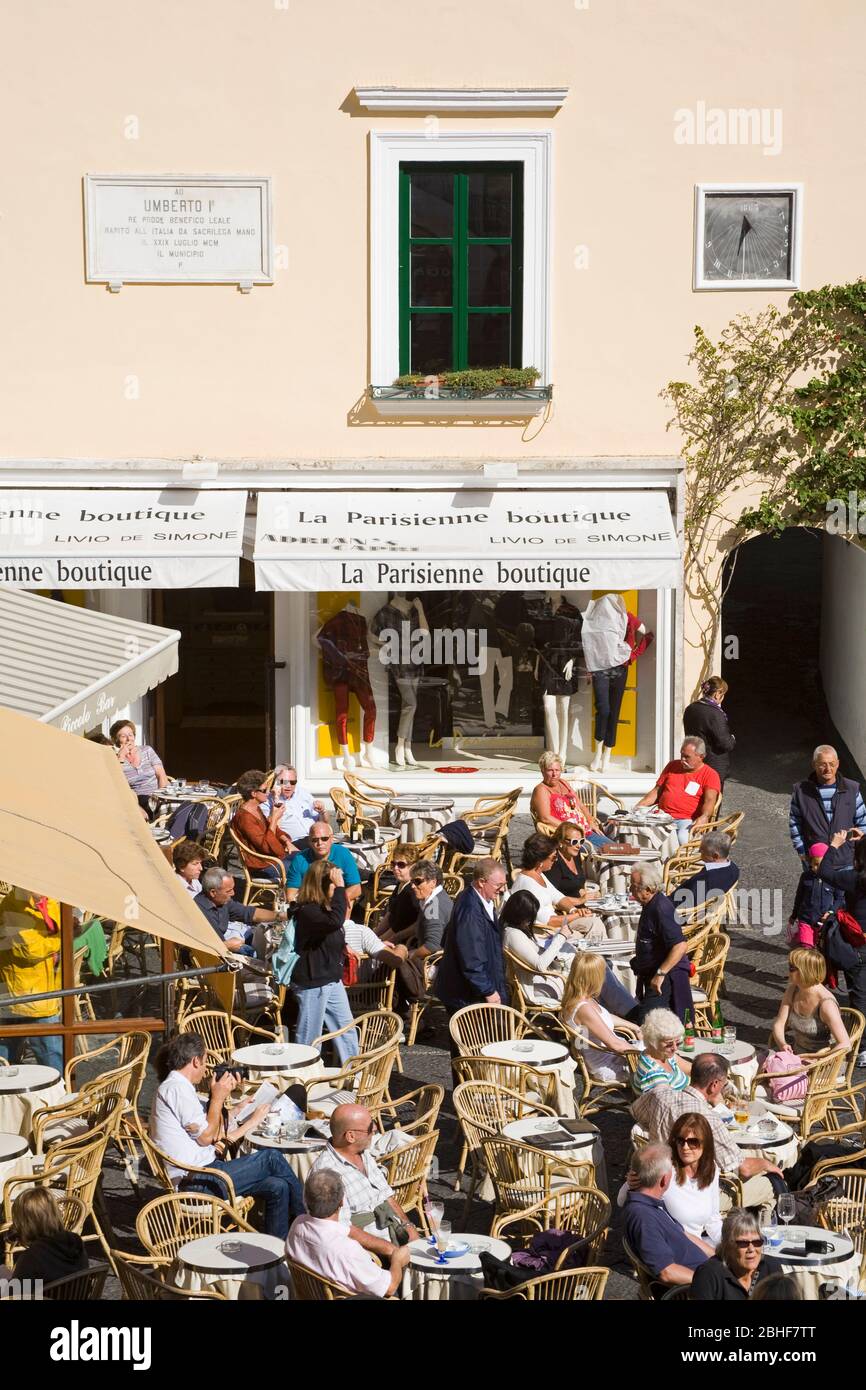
584,155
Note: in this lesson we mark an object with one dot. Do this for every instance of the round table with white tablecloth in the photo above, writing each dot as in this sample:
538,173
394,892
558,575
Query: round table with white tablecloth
283,1061
758,1140
457,1279
650,830
369,855
543,1056
740,1056
811,1269
564,1147
16,1160
615,869
24,1090
300,1154
418,815
616,954
238,1264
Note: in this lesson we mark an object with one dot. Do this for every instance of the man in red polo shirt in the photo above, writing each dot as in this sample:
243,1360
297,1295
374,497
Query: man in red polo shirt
687,789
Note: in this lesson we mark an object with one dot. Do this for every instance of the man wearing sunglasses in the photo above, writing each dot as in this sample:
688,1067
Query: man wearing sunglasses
320,845
300,811
370,1210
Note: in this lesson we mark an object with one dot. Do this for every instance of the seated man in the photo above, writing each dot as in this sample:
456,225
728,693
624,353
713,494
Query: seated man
435,911
300,811
657,1238
369,1209
321,846
320,1242
187,1130
656,1112
687,788
217,901
188,861
716,876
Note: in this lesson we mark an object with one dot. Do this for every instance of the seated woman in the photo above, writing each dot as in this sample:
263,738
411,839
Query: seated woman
51,1252
399,919
554,908
693,1197
188,860
567,872
141,766
553,801
731,1275
808,1010
581,1009
257,831
516,920
659,1064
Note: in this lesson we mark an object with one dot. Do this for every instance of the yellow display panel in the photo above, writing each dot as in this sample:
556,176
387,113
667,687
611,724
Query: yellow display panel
327,606
626,731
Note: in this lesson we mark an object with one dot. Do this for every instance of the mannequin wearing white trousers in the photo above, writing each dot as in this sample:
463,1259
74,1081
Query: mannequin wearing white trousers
559,729
407,615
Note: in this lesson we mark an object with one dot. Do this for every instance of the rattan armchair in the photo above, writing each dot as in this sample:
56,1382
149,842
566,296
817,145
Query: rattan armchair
483,1110
533,1010
83,1287
428,1000
170,1221
651,1287
223,1033
582,1211
416,1112
487,821
599,1095
706,982
255,885
370,798
854,1024
523,1176
823,1073
73,1214
477,1025
140,1282
846,1210
75,1167
406,1169
310,1287
374,994
568,1286
161,1165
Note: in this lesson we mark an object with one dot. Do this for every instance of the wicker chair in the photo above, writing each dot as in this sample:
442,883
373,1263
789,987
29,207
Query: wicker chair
597,1095
488,822
140,1282
310,1287
73,1214
483,1110
538,1087
420,1107
568,1286
374,994
407,1169
823,1073
583,1211
847,1210
74,1166
222,1033
255,886
854,1023
374,1029
477,1025
82,1287
365,1079
708,976
651,1288
535,1012
161,1164
168,1222
347,815
428,1000
371,798
523,1176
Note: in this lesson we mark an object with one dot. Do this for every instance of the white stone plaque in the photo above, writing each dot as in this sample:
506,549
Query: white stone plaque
178,229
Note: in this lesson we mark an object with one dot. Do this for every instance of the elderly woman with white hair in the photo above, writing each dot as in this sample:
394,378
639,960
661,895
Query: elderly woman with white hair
660,963
658,1064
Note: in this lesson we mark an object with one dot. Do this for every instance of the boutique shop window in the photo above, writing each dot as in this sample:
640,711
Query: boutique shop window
461,271
481,680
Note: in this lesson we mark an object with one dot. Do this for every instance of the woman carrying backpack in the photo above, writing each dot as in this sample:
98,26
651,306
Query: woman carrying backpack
852,882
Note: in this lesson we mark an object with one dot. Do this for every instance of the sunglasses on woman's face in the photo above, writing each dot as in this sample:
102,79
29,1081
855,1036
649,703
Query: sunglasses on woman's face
572,842
401,863
689,1142
752,1243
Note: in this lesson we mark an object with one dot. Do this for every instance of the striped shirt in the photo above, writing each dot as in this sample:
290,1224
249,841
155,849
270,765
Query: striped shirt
143,779
827,795
651,1073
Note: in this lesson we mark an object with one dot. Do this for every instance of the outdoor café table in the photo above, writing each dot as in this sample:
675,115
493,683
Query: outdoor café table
620,918
176,793
369,854
544,1056
23,1091
254,1270
288,1060
419,815
16,1160
300,1154
459,1278
741,1056
613,875
779,1147
617,954
841,1266
574,1148
653,830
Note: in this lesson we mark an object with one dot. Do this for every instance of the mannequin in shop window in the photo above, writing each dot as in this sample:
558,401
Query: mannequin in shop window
557,671
612,639
497,618
393,629
345,651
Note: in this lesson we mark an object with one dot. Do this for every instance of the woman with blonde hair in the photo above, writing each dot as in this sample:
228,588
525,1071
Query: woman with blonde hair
318,913
808,1009
553,800
659,1064
582,1011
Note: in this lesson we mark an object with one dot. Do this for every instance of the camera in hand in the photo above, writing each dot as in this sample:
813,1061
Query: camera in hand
232,1068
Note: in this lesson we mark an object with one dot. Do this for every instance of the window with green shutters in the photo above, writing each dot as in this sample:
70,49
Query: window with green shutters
461,272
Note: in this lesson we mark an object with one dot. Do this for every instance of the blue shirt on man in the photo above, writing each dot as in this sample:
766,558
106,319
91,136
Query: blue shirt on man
656,1237
339,857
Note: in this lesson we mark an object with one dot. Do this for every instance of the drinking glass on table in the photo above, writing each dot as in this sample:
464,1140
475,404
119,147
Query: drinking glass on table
443,1236
786,1207
435,1213
729,1038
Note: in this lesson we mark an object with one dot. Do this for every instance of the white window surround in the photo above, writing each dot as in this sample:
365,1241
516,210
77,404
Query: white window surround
534,150
461,98
701,190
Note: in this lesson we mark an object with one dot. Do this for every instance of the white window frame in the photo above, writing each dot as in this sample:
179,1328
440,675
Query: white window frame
534,151
702,189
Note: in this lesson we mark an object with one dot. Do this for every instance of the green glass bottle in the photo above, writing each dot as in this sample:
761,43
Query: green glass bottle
689,1035
718,1025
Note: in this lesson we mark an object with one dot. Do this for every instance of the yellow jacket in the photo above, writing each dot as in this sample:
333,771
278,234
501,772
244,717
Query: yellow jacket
29,954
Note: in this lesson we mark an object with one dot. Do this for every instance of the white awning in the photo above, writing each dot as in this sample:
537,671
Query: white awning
173,539
466,539
72,667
